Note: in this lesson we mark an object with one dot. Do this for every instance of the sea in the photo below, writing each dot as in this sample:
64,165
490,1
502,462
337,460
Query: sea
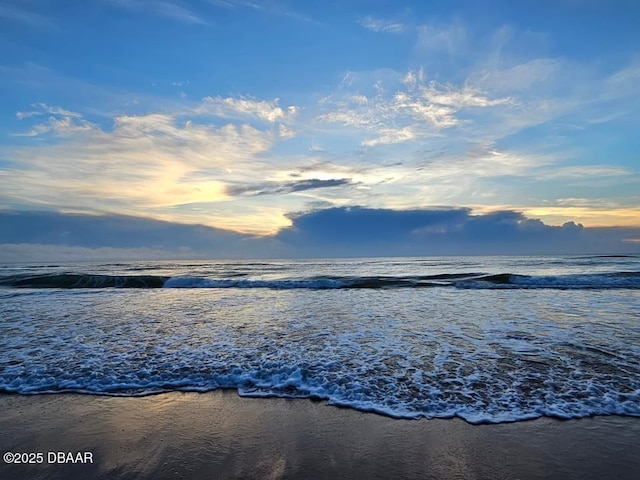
486,339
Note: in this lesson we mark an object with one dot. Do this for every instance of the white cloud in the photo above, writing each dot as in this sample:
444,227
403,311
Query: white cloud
412,78
629,74
175,11
145,165
43,109
268,111
25,16
348,117
521,77
458,98
417,109
286,132
235,3
162,8
387,136
421,108
61,127
271,7
449,39
585,171
381,25
61,122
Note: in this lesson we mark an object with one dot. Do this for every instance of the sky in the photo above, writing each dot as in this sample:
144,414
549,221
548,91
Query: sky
305,128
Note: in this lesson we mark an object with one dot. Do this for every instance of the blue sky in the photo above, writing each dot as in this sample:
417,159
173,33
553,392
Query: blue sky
247,115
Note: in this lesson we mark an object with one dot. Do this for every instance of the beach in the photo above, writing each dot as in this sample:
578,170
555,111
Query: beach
413,368
221,435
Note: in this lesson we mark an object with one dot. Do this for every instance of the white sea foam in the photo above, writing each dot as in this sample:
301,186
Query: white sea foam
196,282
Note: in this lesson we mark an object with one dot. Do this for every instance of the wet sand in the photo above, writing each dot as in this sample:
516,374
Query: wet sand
220,435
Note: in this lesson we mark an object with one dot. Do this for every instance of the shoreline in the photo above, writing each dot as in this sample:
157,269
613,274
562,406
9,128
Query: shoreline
221,435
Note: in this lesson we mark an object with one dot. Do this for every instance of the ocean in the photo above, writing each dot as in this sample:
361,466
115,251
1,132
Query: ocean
487,339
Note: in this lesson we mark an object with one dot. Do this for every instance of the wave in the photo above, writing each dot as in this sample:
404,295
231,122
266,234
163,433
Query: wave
475,398
80,280
614,280
609,256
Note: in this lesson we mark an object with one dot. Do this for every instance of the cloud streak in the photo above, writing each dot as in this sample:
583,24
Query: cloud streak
230,107
272,188
270,7
15,13
162,8
381,25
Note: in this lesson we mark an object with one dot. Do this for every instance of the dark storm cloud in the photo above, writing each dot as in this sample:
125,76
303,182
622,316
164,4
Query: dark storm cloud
117,231
273,188
326,232
444,231
357,224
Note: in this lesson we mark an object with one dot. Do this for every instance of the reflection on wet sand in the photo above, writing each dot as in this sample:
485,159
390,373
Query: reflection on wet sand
221,435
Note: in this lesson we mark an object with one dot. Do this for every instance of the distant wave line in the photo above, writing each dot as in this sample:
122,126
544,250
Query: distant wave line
473,280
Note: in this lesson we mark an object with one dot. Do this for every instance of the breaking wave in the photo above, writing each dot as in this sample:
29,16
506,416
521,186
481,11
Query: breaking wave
614,280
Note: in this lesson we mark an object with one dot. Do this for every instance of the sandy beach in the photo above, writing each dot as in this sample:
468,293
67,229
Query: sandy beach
221,435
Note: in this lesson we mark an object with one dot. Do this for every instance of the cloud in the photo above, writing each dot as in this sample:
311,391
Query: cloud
483,120
77,94
388,136
163,8
145,164
585,171
333,231
477,120
433,39
268,111
359,224
18,13
286,133
522,77
594,213
273,188
61,122
43,108
53,236
112,231
236,3
381,25
444,231
271,7
416,109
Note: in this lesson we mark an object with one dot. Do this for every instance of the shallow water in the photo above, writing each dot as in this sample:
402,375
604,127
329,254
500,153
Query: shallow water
566,347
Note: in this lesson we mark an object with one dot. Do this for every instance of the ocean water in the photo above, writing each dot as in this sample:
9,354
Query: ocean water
486,339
